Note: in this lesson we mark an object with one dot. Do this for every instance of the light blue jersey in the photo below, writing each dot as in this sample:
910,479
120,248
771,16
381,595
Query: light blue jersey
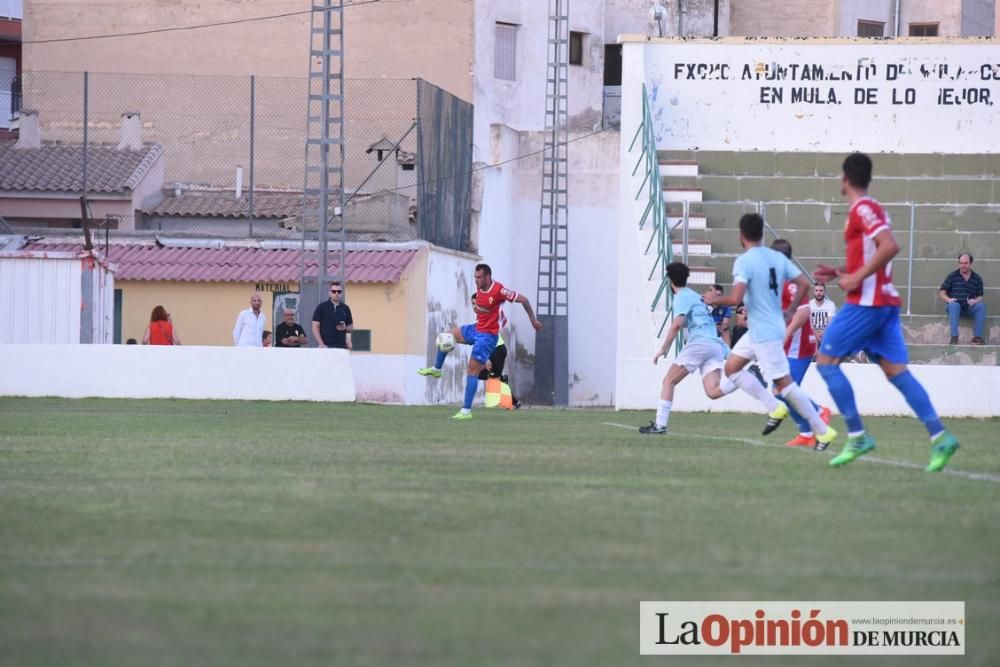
764,271
697,316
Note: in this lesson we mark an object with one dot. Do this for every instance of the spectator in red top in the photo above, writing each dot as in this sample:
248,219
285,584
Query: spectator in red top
160,330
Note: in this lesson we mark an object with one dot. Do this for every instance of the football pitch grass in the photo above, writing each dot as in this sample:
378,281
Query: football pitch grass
195,532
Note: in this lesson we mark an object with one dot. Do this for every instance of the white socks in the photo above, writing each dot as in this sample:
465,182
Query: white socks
799,400
750,385
663,413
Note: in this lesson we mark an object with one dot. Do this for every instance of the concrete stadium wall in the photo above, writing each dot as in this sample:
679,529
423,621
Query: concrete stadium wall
956,391
821,95
138,371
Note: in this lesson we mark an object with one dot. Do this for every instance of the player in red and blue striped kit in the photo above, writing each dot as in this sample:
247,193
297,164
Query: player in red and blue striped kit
869,320
483,335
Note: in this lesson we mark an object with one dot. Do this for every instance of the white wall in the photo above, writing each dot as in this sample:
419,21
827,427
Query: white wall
722,107
151,371
40,298
956,391
450,285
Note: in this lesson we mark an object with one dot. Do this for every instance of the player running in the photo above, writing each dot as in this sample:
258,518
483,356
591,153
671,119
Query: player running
869,320
800,348
758,275
703,350
483,335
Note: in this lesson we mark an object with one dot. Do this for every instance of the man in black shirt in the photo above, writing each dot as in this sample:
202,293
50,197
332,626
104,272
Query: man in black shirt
332,321
962,292
289,333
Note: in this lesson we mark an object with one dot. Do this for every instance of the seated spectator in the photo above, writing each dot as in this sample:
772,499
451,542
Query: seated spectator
962,292
289,333
160,330
821,311
721,315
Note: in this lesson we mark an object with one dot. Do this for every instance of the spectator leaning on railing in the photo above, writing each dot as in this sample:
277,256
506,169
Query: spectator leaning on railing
962,292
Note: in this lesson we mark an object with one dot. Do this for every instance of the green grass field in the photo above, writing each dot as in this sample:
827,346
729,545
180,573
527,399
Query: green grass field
186,532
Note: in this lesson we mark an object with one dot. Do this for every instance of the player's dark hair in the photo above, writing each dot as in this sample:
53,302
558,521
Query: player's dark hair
485,268
752,227
782,246
678,273
717,287
858,170
971,258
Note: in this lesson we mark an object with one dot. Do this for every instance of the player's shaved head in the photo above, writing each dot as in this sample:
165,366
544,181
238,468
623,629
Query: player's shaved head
782,246
485,268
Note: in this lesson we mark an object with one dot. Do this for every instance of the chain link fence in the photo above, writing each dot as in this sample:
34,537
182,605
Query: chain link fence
224,157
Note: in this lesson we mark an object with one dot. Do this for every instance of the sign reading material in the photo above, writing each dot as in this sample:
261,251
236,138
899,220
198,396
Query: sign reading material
821,96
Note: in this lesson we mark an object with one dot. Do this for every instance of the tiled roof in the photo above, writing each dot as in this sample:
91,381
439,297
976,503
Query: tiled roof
224,204
242,264
59,167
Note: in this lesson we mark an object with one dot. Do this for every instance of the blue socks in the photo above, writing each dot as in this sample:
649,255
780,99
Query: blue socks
439,361
843,395
919,401
471,384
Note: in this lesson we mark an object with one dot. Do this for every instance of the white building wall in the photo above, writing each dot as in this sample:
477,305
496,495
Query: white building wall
852,11
978,18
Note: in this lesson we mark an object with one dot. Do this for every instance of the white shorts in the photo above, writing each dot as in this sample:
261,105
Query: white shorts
770,356
703,355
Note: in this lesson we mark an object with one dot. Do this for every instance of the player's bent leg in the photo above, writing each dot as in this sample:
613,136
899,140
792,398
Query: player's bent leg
670,380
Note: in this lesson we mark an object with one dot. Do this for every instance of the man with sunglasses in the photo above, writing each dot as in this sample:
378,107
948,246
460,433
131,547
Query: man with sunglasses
332,321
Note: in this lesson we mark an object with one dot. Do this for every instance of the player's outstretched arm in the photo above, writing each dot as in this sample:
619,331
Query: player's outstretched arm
797,322
523,300
734,298
886,247
675,327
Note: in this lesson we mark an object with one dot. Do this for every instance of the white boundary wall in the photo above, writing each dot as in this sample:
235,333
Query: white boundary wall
141,371
956,391
827,95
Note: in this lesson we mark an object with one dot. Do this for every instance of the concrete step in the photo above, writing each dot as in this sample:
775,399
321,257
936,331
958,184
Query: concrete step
954,355
699,248
680,195
829,164
702,275
934,329
678,168
943,190
694,222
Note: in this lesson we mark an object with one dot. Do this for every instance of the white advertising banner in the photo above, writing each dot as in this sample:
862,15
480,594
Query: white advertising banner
802,628
825,95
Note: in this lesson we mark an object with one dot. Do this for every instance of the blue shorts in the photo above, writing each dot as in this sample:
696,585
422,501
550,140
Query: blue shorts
798,368
875,330
482,344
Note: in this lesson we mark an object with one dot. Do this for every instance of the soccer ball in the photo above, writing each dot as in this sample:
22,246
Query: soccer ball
446,341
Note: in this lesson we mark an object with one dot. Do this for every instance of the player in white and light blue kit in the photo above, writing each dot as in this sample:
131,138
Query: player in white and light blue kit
703,351
759,275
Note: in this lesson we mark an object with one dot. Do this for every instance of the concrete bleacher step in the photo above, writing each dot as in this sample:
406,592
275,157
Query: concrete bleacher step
680,195
934,329
964,355
678,168
702,275
675,220
829,164
699,248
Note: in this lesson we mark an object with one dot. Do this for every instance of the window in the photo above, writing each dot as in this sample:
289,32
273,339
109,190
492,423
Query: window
923,30
576,48
612,64
505,57
871,29
408,166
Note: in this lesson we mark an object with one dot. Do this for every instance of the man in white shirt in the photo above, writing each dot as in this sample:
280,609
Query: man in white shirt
249,329
821,311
